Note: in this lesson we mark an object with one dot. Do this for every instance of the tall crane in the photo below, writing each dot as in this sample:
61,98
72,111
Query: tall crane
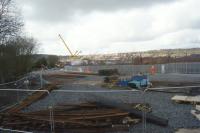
71,53
77,53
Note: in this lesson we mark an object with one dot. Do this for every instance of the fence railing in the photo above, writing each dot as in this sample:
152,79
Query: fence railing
182,68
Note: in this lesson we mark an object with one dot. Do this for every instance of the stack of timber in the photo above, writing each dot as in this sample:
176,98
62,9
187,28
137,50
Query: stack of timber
196,112
31,99
183,130
187,99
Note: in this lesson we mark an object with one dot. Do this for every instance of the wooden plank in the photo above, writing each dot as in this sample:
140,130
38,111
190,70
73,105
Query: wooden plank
196,112
188,130
198,107
186,99
31,99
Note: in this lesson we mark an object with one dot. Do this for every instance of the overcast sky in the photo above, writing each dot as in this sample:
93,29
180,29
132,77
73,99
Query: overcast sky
110,26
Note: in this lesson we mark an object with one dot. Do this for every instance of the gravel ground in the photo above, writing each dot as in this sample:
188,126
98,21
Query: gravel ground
179,115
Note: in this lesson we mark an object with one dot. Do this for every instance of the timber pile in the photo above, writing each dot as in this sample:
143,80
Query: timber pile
183,130
86,117
31,99
187,99
196,111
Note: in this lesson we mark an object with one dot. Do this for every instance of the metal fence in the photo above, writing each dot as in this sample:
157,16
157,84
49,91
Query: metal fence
182,68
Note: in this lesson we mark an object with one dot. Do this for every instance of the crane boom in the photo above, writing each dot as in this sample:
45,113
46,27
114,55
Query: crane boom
66,45
77,53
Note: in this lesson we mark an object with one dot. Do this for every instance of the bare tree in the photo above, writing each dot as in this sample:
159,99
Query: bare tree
15,51
10,23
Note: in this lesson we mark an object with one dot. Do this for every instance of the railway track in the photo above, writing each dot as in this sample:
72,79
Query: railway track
87,116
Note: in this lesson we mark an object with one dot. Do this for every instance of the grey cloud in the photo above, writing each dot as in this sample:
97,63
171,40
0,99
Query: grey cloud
56,10
196,24
158,28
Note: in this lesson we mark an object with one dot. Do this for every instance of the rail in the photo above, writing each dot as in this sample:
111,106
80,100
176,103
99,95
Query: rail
10,130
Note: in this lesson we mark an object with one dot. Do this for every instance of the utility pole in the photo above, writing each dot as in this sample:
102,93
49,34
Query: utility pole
186,65
41,82
141,61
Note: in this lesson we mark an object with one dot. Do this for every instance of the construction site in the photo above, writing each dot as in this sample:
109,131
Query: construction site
92,66
103,98
63,101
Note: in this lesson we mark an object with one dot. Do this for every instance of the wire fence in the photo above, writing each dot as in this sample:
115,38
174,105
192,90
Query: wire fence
62,96
68,96
182,68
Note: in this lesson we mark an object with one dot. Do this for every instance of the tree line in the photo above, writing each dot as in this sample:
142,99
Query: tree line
16,50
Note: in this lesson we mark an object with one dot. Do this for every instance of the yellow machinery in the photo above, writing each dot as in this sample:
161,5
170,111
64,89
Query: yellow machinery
71,53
